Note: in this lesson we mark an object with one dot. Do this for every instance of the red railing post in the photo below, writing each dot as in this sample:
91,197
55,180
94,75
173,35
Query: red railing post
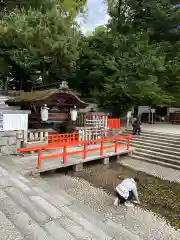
101,148
39,158
116,144
65,154
85,150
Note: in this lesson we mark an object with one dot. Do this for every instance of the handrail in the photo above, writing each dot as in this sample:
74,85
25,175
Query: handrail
61,144
63,137
84,151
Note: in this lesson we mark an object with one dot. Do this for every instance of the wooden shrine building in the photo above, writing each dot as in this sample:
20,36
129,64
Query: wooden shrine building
59,102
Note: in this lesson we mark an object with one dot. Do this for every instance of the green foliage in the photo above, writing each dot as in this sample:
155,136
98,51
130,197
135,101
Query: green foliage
132,60
32,41
121,70
72,7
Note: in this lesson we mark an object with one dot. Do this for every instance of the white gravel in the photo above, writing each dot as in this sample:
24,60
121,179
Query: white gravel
144,223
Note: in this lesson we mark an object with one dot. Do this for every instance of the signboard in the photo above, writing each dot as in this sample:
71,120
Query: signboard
13,122
153,110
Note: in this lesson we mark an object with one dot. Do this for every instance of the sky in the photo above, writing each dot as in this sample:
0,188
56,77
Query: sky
97,15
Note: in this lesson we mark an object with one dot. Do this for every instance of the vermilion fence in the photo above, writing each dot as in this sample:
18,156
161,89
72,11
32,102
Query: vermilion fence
63,138
114,143
114,123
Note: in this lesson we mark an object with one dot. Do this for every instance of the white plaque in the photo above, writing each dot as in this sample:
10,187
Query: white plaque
13,122
153,110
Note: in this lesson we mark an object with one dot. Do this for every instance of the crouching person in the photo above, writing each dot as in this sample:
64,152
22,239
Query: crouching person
126,192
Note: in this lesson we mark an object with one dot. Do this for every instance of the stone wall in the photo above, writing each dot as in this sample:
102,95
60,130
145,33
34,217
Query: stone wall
10,141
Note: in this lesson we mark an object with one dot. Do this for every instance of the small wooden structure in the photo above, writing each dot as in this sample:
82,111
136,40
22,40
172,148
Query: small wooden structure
59,101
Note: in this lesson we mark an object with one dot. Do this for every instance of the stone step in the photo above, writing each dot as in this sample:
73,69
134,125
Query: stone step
154,143
79,230
116,231
28,228
163,139
24,202
57,231
156,154
112,229
156,162
156,148
7,230
94,218
160,139
39,216
46,214
147,132
161,134
158,159
90,227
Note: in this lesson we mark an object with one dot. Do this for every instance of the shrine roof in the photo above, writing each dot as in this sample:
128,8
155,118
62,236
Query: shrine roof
33,96
40,97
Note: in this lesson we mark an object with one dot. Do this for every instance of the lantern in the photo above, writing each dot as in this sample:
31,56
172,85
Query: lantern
44,113
74,114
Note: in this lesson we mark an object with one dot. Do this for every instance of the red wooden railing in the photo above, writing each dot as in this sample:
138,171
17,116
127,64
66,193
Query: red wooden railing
174,121
114,143
61,138
114,123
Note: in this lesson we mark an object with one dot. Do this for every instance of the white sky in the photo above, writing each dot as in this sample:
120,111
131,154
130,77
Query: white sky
97,15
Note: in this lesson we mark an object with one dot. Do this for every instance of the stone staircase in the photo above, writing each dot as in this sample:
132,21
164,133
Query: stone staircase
157,148
27,212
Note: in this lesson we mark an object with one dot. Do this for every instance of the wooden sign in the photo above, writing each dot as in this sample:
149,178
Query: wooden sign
13,122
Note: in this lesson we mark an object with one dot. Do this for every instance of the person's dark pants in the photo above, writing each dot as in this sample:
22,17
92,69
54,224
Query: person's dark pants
123,200
136,130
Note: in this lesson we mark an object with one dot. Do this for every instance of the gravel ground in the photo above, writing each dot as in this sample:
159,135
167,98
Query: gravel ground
144,223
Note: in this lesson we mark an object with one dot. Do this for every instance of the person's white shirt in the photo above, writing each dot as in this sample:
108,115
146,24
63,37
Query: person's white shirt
126,186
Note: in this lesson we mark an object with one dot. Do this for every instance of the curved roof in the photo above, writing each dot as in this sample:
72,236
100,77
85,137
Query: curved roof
46,96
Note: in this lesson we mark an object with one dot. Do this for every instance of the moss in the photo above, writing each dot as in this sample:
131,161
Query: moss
32,96
157,195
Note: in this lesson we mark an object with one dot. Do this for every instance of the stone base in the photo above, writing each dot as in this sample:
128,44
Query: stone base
78,167
105,161
9,142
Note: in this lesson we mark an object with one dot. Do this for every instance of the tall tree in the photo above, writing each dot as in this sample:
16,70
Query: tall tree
32,40
120,70
68,7
159,18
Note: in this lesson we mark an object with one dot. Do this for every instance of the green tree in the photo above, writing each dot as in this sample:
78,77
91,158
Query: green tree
71,7
120,70
159,18
33,40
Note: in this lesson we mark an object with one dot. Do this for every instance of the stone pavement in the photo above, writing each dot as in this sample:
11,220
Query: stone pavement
161,127
29,213
145,224
149,168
